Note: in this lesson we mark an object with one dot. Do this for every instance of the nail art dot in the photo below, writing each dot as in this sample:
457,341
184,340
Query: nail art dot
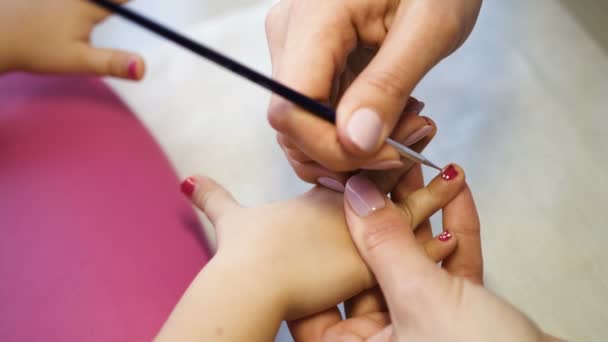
445,236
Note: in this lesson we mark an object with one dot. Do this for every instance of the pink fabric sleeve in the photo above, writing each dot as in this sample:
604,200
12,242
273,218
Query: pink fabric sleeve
96,241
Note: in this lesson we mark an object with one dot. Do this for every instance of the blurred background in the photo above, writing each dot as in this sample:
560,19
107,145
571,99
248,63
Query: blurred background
523,106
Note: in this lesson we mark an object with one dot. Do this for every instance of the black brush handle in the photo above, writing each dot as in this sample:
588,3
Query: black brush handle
285,92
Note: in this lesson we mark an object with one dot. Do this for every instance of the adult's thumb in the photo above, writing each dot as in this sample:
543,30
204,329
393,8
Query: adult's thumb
385,240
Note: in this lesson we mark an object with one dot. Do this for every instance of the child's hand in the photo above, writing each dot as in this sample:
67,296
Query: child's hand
53,36
286,260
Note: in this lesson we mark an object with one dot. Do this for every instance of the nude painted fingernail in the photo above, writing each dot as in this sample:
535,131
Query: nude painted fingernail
363,196
449,173
188,186
331,183
445,236
418,135
132,69
364,129
384,165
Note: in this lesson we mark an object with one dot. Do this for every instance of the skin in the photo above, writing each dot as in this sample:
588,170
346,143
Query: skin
265,272
416,290
286,260
354,55
53,36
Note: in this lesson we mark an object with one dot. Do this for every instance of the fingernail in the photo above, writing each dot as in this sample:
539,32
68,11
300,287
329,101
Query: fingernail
414,107
331,183
445,236
418,135
384,165
449,173
364,129
363,196
188,186
132,69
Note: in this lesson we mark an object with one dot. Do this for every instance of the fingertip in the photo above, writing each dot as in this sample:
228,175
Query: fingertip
278,112
362,133
188,186
441,246
451,174
136,68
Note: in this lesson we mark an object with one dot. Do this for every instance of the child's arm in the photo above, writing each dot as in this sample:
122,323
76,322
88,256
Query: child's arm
286,260
53,36
229,300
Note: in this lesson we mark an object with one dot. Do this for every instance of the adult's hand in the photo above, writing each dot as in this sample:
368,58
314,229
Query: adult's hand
425,303
366,57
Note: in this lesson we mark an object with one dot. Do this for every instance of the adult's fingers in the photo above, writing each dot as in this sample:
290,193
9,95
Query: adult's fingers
386,180
312,329
371,107
461,218
384,238
372,300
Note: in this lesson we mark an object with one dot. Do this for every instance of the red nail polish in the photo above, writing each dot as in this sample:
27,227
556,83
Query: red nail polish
187,186
445,236
449,173
133,69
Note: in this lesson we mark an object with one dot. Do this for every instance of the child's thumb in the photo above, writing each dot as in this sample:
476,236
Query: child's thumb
210,197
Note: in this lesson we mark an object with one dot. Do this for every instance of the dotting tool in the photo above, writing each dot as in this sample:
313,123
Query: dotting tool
285,92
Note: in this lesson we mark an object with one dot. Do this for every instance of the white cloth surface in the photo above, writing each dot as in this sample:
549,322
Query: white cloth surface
522,106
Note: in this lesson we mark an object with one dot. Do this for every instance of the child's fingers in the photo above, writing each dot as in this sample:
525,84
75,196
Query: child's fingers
423,203
108,62
210,197
411,181
441,246
99,13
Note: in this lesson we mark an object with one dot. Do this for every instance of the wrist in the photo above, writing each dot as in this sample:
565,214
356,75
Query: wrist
227,301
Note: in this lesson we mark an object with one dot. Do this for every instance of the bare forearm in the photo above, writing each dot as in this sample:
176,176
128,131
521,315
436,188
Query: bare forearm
225,303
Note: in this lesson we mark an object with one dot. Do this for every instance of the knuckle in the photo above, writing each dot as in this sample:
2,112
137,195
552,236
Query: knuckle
378,232
388,83
472,271
272,18
447,22
302,171
337,165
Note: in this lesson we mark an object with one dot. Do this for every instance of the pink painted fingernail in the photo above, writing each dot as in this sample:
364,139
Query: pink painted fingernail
188,186
418,135
364,129
449,173
363,196
445,236
331,183
132,69
384,165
